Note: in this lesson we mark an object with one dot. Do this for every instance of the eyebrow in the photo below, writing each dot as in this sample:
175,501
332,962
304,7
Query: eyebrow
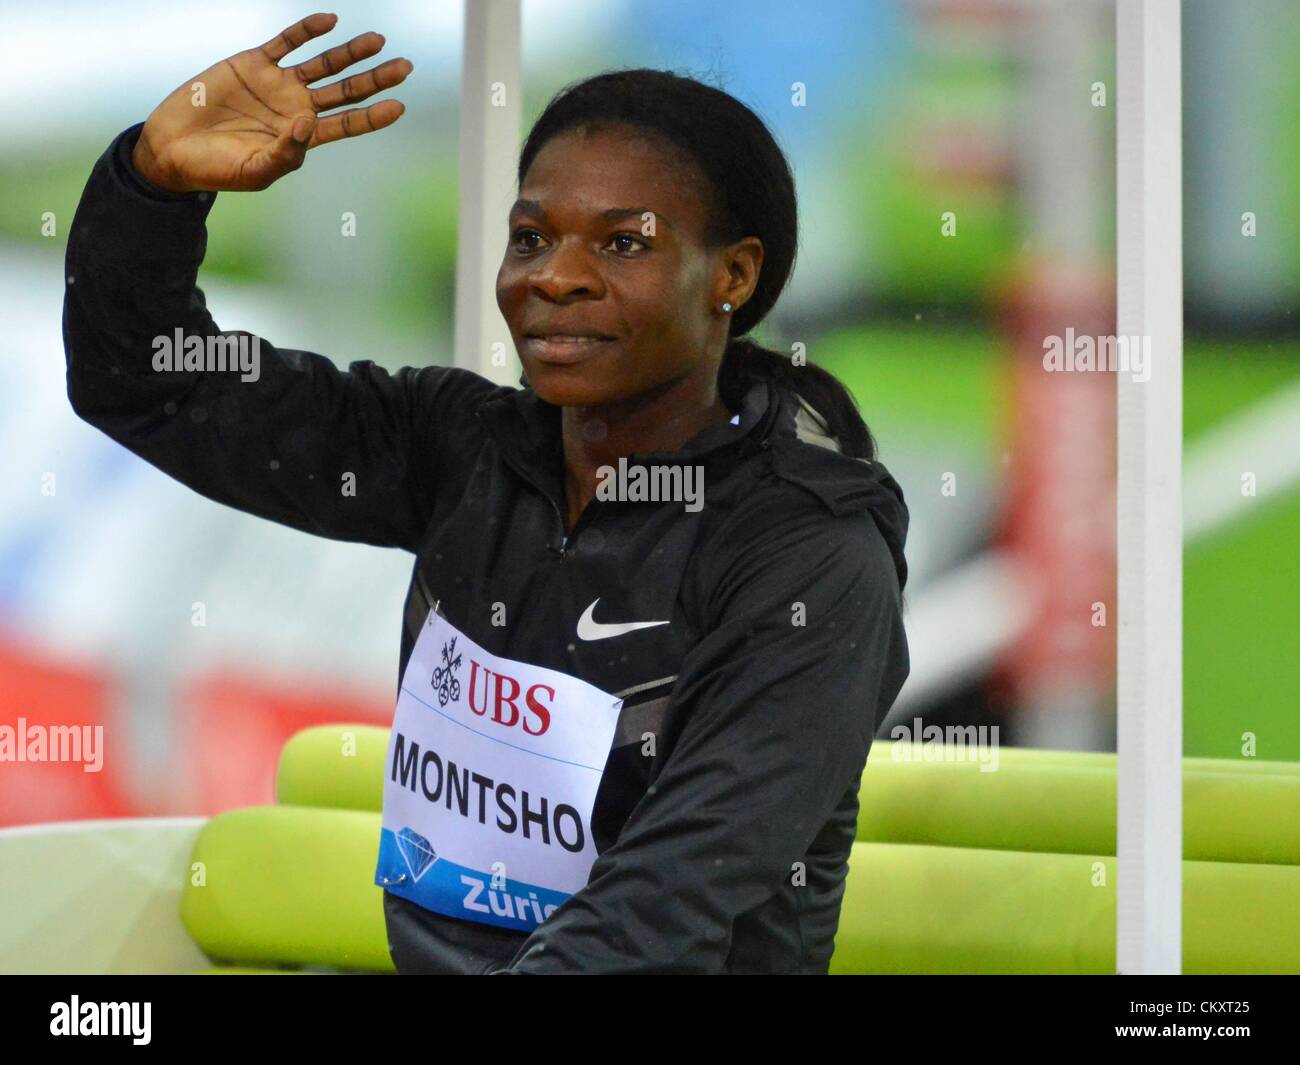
611,215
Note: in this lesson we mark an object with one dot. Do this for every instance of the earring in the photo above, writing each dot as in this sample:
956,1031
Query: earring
726,307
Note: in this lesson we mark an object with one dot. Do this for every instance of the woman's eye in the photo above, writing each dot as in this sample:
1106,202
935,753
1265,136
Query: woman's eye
628,238
525,234
528,240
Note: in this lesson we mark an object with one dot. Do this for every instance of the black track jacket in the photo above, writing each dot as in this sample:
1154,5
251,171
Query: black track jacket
728,804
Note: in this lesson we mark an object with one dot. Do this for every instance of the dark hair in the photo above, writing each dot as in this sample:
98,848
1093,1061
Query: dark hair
751,193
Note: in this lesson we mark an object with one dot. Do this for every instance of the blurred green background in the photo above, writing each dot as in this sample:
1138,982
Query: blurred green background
913,110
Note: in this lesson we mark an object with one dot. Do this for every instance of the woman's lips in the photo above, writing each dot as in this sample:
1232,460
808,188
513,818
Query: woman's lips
564,350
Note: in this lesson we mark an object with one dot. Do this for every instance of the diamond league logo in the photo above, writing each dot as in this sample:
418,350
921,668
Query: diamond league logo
416,851
444,679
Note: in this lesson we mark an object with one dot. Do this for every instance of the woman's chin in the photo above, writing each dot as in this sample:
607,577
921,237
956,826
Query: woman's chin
563,395
567,386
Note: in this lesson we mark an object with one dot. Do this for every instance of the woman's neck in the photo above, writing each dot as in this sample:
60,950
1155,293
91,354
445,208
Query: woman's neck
596,437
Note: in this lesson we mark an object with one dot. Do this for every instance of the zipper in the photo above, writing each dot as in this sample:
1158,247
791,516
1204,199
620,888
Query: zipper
559,521
584,520
562,548
565,539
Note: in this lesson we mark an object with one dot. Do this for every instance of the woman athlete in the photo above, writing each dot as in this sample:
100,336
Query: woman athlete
654,618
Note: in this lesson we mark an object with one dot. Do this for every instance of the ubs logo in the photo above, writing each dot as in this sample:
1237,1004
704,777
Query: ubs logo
445,682
500,693
493,694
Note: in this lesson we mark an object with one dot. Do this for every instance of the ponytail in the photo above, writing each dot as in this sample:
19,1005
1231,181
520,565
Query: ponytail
745,362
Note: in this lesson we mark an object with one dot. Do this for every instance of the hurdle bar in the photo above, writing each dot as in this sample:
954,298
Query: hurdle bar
1149,488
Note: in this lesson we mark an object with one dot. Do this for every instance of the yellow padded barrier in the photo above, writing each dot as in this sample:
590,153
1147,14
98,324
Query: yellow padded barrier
293,886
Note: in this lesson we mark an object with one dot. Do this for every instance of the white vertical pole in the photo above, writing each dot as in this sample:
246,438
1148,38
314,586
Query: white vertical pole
490,116
1150,592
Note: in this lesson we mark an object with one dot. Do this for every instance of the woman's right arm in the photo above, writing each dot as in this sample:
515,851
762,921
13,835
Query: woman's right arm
283,434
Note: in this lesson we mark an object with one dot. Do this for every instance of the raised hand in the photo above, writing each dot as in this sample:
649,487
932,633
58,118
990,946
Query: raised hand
258,120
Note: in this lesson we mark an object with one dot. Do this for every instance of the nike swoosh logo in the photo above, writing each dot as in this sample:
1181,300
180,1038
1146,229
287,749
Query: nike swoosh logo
590,629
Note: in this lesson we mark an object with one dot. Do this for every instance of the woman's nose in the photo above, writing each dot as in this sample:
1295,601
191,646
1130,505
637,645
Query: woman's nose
566,270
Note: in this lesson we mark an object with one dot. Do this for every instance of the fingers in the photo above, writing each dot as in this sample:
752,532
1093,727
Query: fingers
361,86
301,129
286,154
333,60
298,34
356,122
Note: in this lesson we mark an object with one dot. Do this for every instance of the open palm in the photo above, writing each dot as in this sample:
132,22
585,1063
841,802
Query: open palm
250,121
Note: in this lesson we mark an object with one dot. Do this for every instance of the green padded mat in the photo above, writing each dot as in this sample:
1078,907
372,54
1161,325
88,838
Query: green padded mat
338,766
1107,760
290,885
1053,801
1032,804
912,909
294,886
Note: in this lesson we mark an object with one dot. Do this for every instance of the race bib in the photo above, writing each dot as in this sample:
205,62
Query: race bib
491,776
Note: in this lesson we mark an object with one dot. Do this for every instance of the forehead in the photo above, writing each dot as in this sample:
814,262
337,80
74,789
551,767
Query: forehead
590,169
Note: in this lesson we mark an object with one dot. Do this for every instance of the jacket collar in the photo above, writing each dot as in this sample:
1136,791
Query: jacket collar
527,430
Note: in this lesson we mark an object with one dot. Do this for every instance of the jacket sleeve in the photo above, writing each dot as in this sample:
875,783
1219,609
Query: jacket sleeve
778,721
349,455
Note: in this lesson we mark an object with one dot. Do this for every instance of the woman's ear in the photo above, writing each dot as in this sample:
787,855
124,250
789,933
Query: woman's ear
744,265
